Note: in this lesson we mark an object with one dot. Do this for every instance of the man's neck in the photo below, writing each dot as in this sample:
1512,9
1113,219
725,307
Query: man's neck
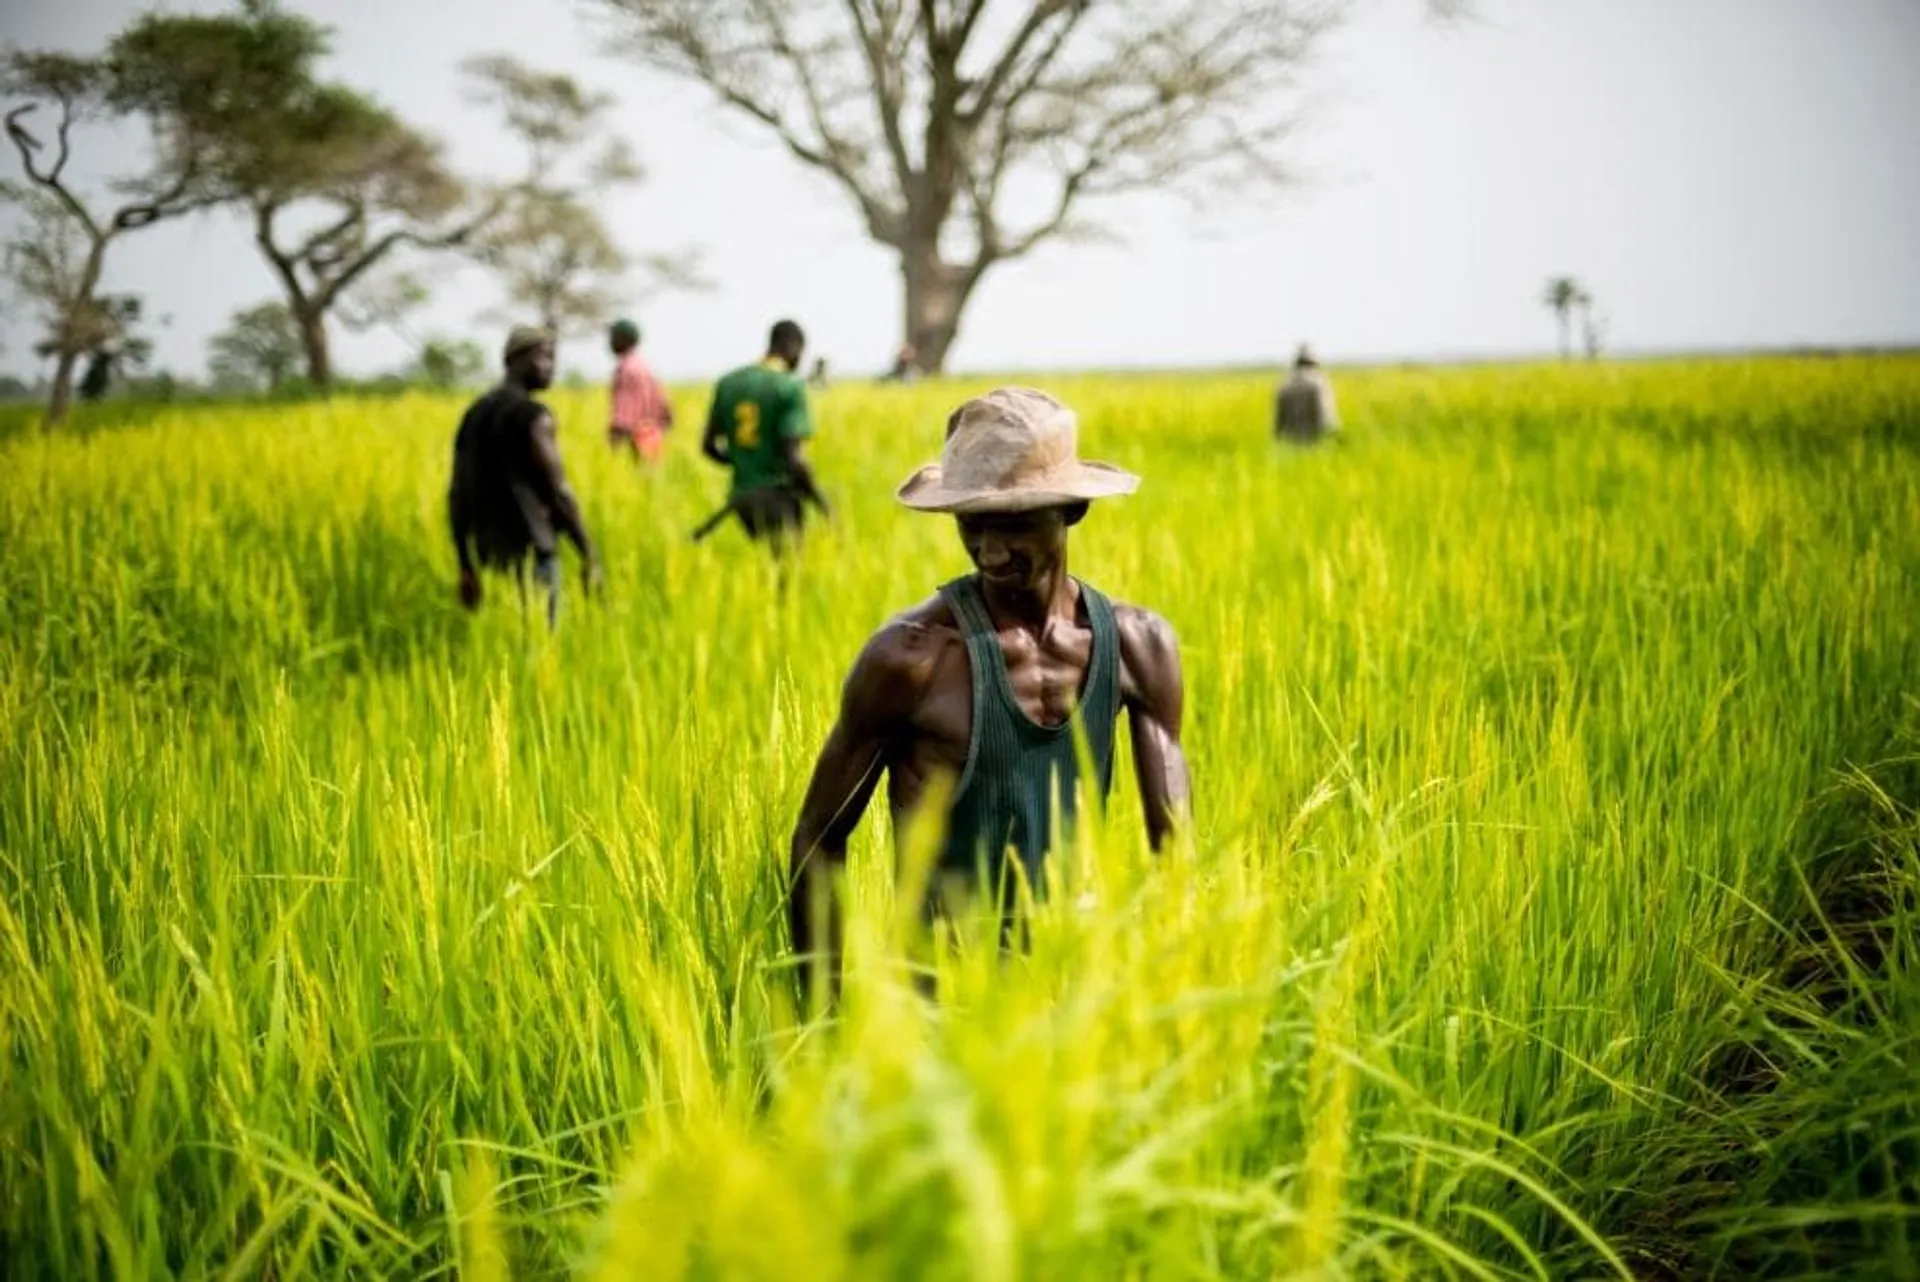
1057,598
773,362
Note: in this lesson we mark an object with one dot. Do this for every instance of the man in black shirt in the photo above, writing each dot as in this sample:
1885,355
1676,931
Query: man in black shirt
509,493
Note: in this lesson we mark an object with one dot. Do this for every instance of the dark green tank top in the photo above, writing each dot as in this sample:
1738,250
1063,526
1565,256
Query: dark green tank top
1015,766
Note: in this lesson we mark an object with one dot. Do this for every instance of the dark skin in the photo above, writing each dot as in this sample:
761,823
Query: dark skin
714,446
532,370
907,706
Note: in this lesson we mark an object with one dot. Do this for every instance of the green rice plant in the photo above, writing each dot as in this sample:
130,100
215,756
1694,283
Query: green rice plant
1548,908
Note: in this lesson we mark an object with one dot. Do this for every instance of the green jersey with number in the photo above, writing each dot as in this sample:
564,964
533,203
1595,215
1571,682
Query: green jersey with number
757,409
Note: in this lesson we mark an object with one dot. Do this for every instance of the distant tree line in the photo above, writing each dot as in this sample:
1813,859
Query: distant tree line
343,197
965,135
1568,299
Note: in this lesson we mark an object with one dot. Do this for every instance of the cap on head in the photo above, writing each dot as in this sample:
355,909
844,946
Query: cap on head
1013,450
524,338
1303,359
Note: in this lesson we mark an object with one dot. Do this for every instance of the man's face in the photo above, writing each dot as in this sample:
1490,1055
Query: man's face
538,364
1015,551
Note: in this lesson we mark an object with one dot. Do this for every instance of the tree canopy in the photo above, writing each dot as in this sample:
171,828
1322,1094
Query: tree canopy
967,133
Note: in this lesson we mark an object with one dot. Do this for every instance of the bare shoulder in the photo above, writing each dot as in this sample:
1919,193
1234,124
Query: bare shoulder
1144,632
1149,652
900,662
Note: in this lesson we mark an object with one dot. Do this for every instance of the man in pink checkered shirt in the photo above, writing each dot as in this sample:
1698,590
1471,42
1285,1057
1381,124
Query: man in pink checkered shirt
641,414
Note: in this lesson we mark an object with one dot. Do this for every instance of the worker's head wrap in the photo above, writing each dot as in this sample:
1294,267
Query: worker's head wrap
524,338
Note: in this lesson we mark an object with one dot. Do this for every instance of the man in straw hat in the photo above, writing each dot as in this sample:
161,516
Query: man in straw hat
981,681
510,494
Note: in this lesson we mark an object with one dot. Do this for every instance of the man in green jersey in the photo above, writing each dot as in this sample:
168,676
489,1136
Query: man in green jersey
756,427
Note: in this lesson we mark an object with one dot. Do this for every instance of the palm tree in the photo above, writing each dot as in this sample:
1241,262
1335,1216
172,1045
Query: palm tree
1562,295
1593,328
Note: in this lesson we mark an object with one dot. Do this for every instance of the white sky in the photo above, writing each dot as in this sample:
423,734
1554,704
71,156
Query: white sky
1721,173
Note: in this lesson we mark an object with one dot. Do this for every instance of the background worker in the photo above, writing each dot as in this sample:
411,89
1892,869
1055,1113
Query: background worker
509,495
640,414
1303,409
756,428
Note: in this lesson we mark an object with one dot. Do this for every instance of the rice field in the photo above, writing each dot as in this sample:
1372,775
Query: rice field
1549,910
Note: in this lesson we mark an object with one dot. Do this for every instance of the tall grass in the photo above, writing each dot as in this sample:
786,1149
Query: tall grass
1549,911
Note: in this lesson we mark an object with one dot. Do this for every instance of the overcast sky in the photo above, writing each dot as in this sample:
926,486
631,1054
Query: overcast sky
1720,173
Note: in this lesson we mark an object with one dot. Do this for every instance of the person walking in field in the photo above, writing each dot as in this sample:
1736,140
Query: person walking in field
981,680
1303,409
757,428
509,495
640,415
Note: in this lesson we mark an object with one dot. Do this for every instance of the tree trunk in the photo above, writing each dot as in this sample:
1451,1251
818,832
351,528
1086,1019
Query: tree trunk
936,295
1566,333
61,396
313,337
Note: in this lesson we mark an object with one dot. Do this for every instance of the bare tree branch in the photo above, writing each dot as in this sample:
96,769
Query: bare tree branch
971,133
28,146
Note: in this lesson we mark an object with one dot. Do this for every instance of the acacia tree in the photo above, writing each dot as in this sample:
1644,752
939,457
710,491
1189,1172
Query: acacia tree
260,347
333,183
380,188
554,256
58,259
338,188
550,249
967,133
451,362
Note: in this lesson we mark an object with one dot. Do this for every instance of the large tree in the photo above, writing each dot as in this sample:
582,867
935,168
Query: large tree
967,133
338,188
333,183
550,249
57,258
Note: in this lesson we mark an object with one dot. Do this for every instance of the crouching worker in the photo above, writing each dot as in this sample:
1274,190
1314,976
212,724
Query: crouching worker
980,681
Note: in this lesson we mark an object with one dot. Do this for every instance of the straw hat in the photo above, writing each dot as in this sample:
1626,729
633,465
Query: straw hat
1012,450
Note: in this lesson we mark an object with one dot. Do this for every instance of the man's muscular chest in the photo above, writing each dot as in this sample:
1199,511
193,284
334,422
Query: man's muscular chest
1046,673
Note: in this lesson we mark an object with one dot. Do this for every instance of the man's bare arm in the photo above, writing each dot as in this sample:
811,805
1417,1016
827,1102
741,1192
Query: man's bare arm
802,474
1155,695
460,525
711,438
566,509
877,700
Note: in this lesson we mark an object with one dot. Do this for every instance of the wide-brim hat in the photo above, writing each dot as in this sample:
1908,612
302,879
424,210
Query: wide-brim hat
1013,450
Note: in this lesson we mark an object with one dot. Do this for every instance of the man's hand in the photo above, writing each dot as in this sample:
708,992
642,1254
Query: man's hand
469,589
